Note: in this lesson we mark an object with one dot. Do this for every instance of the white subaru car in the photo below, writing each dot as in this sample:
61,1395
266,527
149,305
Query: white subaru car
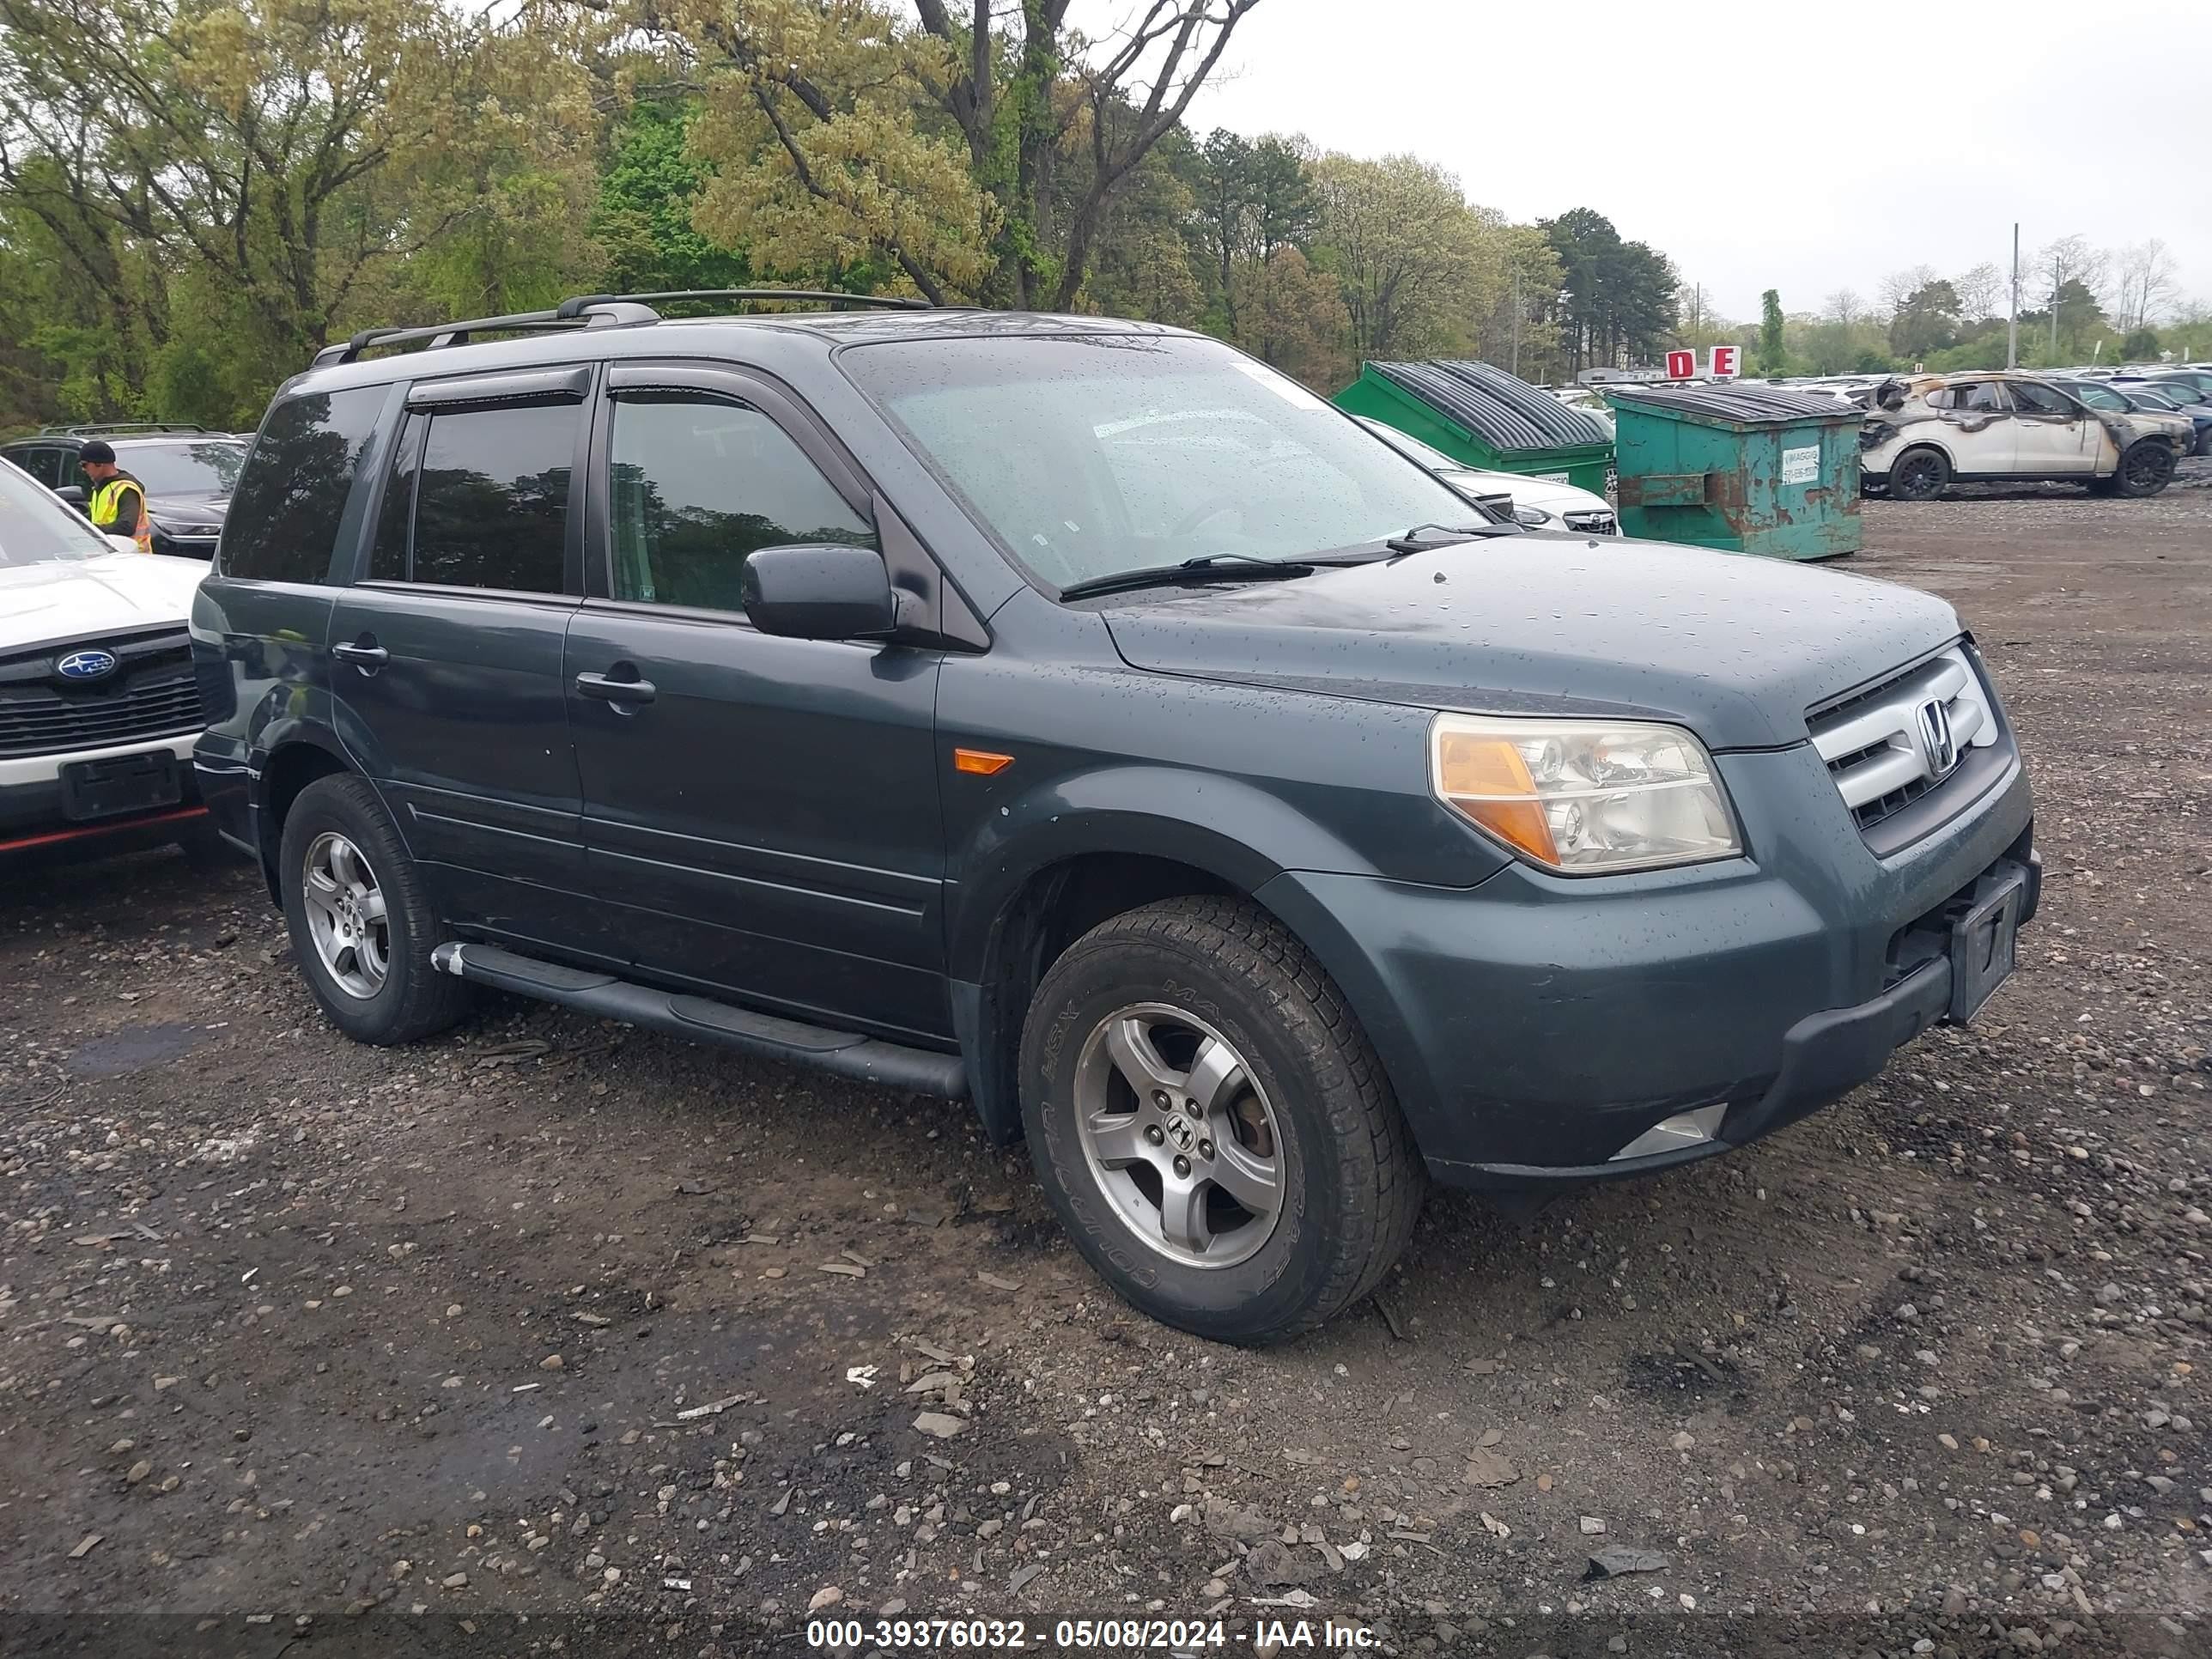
98,706
1539,503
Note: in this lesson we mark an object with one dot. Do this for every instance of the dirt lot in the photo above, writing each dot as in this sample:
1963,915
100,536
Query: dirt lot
553,1336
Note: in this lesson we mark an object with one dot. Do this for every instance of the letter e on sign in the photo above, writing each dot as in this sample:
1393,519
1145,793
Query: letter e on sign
1681,365
1724,360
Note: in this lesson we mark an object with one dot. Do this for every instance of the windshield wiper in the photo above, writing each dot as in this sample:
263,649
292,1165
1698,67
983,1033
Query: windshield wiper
1211,568
1416,541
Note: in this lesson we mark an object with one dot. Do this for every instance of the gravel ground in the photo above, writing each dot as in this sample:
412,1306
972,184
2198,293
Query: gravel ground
554,1336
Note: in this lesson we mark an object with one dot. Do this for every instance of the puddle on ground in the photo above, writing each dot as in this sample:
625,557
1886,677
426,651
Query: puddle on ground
134,1048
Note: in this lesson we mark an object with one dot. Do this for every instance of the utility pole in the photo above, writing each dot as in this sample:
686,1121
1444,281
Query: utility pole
2054,311
1516,316
2012,324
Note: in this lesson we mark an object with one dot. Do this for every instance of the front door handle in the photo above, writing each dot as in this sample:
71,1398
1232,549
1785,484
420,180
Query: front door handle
607,689
364,653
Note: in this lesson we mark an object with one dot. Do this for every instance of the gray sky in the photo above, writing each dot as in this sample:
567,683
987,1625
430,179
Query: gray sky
1761,143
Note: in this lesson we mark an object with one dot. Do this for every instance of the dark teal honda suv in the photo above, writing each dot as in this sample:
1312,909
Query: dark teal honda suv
1080,718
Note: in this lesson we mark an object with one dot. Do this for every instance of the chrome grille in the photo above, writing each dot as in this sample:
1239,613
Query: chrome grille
1885,747
1592,523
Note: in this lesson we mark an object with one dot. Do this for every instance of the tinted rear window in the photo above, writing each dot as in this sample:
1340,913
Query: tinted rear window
283,518
491,505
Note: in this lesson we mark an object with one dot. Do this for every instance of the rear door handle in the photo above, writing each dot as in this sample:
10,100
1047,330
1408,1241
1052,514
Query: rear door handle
607,689
369,656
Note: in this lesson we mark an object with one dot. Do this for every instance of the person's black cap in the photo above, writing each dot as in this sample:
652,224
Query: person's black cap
97,452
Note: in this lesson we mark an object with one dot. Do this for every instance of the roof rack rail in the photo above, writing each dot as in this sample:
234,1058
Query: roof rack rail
572,306
101,428
594,313
594,310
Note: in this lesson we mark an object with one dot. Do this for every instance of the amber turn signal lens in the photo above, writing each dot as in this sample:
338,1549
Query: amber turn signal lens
1486,778
980,761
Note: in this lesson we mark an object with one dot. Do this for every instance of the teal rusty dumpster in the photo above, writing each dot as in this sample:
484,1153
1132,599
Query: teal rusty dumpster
1477,414
1748,469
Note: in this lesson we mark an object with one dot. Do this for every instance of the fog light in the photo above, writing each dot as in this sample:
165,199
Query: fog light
1671,1134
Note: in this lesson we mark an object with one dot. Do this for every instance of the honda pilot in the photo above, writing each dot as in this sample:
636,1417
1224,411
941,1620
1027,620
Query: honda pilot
1082,719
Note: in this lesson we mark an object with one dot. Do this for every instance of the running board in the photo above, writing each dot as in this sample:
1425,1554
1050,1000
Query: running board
845,1054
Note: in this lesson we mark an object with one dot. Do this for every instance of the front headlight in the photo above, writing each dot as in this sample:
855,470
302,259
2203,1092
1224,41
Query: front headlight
1583,798
1534,517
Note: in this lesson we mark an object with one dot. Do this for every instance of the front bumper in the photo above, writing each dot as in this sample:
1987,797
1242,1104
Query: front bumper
1535,1026
35,815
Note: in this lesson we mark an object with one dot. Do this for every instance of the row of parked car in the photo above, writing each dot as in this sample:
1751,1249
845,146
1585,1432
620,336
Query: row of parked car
904,692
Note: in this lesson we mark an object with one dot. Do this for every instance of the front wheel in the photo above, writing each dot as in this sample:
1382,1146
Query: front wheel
2146,468
1210,1124
1919,474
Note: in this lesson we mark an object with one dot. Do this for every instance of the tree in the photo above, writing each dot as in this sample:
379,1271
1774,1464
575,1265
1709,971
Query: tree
296,151
1251,199
1772,355
1294,316
1843,308
1411,258
2143,283
1017,96
649,192
1621,296
2070,259
1982,292
1928,321
1894,289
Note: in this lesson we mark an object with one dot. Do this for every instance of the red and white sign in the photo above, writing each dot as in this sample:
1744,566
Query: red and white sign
1724,362
1681,365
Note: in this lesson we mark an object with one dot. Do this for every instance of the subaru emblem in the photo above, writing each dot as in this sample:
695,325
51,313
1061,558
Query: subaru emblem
1942,749
85,666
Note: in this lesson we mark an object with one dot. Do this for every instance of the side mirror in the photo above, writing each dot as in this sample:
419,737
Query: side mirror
123,543
73,494
819,591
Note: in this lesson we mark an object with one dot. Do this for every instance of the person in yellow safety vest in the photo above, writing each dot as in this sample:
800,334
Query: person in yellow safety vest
117,505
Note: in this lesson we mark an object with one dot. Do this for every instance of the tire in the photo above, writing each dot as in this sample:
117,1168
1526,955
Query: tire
1918,475
384,991
2144,470
1305,1100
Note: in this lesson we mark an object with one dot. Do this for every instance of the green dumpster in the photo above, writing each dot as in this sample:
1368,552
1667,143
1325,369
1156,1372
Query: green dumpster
1482,416
1748,469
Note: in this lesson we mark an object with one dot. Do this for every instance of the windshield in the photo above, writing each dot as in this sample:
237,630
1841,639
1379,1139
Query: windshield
2097,396
1090,455
174,469
1433,458
35,527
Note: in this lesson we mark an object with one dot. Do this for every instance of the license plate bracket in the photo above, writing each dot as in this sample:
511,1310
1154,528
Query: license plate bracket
119,784
1983,940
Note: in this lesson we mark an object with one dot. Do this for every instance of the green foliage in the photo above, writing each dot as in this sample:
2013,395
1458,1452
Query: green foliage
1928,321
2140,345
648,192
1621,296
1773,358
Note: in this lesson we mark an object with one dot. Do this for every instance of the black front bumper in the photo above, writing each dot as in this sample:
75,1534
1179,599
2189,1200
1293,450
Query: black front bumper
33,818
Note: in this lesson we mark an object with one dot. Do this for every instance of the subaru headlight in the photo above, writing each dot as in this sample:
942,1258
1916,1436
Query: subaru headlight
1584,797
1534,517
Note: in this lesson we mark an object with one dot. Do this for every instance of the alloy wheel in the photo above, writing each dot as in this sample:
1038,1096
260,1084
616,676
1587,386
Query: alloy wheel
346,915
1179,1136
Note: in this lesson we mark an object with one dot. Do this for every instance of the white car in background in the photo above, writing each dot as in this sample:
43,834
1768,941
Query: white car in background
99,709
1539,503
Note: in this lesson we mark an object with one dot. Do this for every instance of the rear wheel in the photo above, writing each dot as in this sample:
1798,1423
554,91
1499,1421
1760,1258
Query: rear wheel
2146,468
1211,1125
1918,475
360,917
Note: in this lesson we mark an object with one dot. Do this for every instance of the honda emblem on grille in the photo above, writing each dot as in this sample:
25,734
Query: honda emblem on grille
1936,739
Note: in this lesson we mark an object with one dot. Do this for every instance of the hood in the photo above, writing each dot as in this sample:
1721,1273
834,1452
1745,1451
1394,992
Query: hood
1735,648
80,599
1546,492
188,504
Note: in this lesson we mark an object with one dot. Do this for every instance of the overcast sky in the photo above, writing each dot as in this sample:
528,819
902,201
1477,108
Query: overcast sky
1761,143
